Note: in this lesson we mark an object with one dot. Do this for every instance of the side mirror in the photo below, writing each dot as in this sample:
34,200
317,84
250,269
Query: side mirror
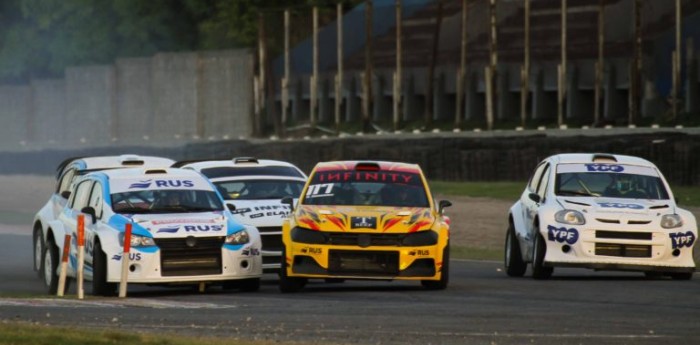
231,207
65,194
288,200
442,205
88,210
534,197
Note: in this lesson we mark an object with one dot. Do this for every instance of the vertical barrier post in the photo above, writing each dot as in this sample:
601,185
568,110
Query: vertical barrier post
81,254
64,266
600,63
398,74
314,77
125,261
460,101
339,76
525,72
285,79
562,67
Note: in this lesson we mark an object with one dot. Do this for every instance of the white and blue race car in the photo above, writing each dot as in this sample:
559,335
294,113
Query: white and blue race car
66,173
181,232
599,211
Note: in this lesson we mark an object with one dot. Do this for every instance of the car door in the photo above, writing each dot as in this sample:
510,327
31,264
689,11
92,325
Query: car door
69,217
530,207
58,200
95,201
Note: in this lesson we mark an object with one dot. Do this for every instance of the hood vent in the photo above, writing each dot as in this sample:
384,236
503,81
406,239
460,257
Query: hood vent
658,207
577,203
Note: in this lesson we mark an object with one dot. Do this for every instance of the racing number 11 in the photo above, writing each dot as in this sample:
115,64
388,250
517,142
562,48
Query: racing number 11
316,189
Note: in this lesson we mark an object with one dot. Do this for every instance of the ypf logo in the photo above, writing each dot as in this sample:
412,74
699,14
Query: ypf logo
620,206
605,167
562,235
680,239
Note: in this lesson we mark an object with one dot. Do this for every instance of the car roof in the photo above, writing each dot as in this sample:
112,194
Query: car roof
150,172
582,158
383,165
238,162
111,162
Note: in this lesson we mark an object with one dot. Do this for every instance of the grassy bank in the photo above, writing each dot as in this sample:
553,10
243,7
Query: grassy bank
687,196
14,333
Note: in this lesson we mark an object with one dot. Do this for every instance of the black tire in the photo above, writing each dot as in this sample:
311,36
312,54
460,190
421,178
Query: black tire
50,267
682,276
334,280
539,271
653,275
250,285
38,245
513,259
289,284
100,286
444,277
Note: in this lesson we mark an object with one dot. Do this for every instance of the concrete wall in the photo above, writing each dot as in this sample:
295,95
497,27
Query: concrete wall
169,98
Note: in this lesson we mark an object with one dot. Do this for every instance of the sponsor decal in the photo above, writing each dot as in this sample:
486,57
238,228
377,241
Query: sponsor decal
319,190
169,230
180,221
281,211
621,206
132,257
250,252
682,239
562,235
366,176
597,167
419,252
363,222
203,228
174,183
312,250
141,184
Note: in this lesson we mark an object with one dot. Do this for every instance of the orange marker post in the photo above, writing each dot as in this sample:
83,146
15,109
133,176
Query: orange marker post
81,254
125,261
64,266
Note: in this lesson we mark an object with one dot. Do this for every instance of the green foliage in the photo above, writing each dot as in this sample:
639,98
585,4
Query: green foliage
497,190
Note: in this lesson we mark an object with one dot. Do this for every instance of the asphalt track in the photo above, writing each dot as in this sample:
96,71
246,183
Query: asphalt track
481,306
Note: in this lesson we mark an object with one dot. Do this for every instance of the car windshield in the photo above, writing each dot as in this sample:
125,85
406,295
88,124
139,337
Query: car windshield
259,189
610,184
372,188
166,201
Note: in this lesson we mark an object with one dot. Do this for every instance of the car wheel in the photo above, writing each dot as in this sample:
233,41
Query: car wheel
334,280
653,275
539,271
250,285
513,261
100,286
50,267
289,284
444,277
38,240
682,276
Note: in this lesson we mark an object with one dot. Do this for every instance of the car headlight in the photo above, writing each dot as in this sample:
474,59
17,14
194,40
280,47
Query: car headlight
138,241
240,237
571,217
670,221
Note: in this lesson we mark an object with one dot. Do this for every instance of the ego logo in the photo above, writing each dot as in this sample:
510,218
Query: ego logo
203,228
680,240
618,205
605,167
174,183
132,257
562,235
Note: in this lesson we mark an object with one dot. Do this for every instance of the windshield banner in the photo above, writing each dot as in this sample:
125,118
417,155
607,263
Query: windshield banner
368,177
130,185
606,168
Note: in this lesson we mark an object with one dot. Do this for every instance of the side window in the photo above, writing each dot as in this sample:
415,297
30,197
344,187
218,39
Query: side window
532,186
82,192
542,187
96,199
66,179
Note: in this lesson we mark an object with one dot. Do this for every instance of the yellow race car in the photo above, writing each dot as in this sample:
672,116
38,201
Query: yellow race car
365,220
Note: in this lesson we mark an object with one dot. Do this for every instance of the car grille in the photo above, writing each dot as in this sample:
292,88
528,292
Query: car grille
271,238
177,258
623,250
350,239
623,235
380,263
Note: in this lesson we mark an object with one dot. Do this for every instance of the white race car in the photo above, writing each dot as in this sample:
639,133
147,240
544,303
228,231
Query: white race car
599,211
66,173
255,188
181,232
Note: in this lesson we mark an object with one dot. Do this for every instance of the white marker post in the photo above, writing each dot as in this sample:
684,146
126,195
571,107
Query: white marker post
81,254
125,261
64,266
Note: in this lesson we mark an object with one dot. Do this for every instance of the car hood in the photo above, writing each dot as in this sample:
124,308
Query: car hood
364,218
613,206
185,224
260,213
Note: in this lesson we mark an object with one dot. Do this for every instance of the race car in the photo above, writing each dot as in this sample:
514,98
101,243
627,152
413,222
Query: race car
255,187
181,232
599,211
365,220
66,172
